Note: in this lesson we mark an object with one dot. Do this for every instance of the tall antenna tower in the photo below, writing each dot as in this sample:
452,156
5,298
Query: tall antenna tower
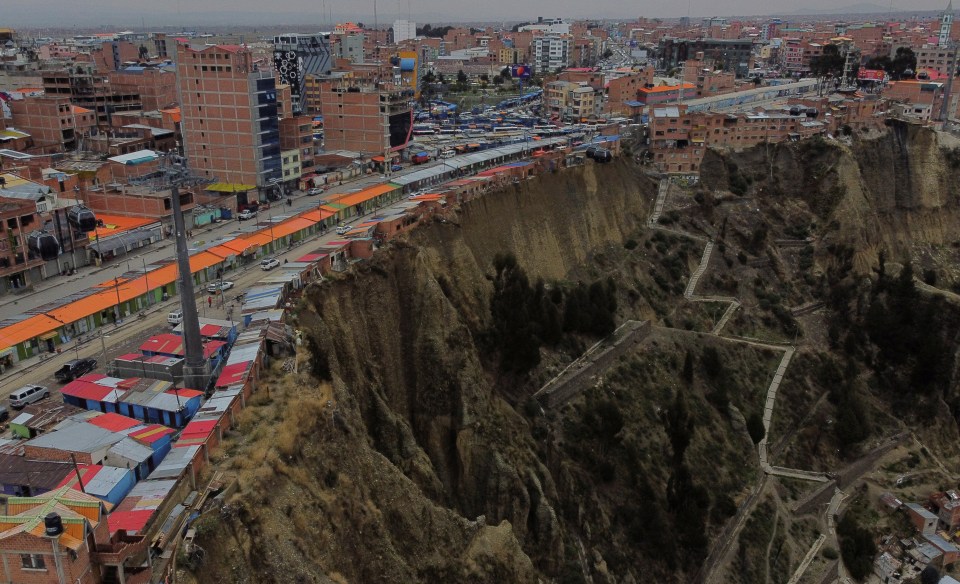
196,372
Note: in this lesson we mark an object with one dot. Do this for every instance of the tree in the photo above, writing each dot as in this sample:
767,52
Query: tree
497,80
607,54
903,60
462,77
828,64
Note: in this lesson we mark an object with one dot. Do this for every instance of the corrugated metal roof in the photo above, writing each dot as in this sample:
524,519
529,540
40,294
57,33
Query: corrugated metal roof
131,450
174,463
78,437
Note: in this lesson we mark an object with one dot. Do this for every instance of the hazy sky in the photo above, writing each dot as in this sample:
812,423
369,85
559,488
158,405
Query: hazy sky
192,13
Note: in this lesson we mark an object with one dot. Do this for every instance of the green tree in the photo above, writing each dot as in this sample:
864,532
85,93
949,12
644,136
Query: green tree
903,60
462,77
829,63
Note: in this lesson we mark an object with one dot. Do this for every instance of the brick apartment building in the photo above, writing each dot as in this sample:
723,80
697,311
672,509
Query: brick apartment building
678,140
88,88
156,87
54,124
63,536
365,118
297,134
18,266
229,111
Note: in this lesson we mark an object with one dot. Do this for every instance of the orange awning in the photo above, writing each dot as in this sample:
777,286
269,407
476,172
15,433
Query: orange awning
365,195
292,226
27,329
319,214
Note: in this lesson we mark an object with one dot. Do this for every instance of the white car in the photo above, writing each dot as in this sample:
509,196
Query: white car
341,229
218,287
246,214
175,317
269,263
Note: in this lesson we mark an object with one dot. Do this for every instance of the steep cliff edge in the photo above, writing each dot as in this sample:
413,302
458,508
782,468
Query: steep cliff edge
896,192
402,452
409,442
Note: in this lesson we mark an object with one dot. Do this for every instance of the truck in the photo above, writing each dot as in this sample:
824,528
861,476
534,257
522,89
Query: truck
420,158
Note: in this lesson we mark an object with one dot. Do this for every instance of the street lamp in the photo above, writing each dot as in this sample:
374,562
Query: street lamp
146,280
116,287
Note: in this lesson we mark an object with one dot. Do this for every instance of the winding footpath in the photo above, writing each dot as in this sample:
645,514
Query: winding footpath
723,545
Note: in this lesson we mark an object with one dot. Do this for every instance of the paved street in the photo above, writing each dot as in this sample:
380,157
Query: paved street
58,287
128,335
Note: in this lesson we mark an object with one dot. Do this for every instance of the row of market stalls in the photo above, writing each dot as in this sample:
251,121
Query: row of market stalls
46,328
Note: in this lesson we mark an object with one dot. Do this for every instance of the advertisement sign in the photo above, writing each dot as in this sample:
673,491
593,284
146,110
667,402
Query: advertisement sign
520,71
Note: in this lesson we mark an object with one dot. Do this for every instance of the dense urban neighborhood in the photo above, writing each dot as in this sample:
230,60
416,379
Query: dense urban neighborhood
409,279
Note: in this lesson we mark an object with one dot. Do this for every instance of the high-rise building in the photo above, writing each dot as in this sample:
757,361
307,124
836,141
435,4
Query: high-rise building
297,55
551,52
229,116
946,23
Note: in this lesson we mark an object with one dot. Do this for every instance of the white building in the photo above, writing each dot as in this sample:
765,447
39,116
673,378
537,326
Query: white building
548,26
404,30
551,52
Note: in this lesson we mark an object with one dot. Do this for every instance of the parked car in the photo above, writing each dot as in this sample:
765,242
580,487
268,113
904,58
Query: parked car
175,317
27,395
342,228
218,287
396,168
269,263
74,369
315,191
246,214
4,414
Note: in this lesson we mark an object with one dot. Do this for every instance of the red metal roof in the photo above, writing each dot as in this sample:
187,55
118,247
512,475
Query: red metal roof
132,521
198,429
208,330
87,472
114,422
233,374
82,389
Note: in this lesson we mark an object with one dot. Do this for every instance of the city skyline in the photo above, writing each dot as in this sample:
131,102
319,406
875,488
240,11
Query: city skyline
46,13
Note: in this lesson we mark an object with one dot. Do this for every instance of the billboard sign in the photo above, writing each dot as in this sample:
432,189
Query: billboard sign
520,71
871,74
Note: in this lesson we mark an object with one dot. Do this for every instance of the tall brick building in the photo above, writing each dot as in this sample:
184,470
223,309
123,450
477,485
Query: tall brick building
229,112
366,119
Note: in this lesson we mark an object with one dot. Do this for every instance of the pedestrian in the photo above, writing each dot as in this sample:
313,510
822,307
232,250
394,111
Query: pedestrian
210,301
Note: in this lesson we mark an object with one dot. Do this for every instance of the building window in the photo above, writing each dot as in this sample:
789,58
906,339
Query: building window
32,562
